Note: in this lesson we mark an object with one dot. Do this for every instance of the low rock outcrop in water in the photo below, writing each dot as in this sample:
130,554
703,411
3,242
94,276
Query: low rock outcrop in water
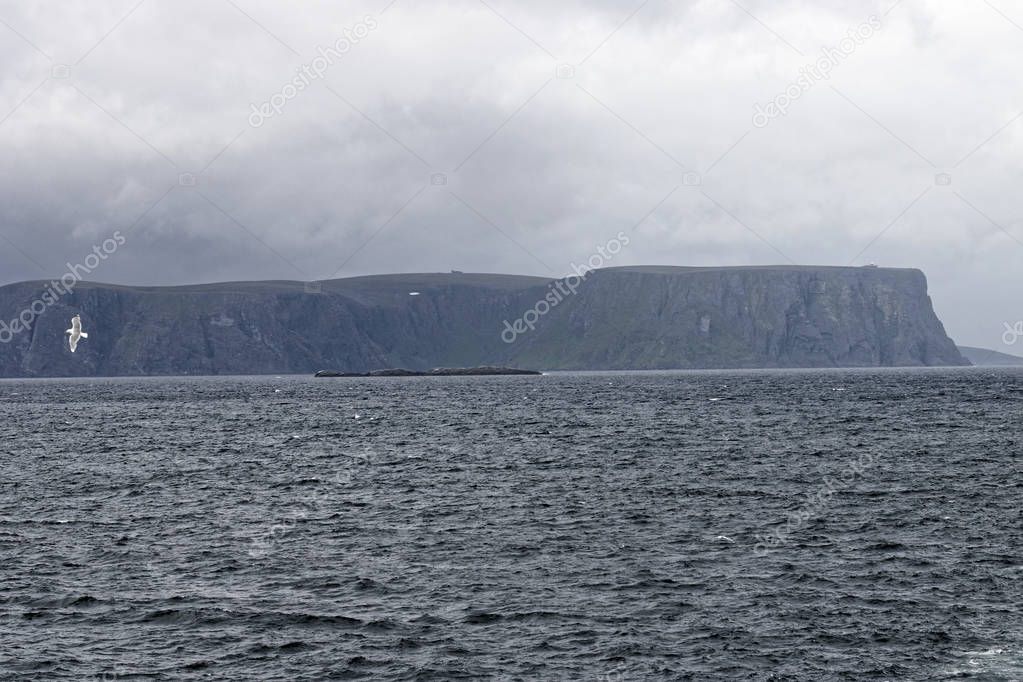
436,372
985,357
617,318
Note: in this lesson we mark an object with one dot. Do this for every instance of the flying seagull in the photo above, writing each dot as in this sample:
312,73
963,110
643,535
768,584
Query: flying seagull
75,332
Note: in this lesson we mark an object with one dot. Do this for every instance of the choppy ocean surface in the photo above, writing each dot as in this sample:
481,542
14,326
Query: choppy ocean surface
856,525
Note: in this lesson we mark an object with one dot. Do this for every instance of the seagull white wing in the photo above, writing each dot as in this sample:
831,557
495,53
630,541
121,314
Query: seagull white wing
75,333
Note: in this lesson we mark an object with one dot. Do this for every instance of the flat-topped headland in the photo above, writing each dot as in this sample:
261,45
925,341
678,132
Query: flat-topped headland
623,318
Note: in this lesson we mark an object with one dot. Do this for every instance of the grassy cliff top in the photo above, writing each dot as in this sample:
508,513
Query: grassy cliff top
405,283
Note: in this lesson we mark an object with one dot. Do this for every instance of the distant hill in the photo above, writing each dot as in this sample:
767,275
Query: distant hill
655,317
983,357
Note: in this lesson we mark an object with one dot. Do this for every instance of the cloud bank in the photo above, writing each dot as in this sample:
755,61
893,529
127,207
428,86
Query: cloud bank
505,136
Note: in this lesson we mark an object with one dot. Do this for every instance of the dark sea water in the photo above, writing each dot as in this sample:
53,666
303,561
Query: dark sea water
514,528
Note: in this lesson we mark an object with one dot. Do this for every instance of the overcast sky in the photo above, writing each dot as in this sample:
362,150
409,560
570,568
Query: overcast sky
516,136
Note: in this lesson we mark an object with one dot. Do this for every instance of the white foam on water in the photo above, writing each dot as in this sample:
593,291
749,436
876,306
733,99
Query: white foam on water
997,663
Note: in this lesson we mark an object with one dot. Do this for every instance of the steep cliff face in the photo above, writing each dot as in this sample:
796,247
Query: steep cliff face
620,318
659,317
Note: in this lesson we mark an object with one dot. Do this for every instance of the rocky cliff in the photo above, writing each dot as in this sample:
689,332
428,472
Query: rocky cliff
617,318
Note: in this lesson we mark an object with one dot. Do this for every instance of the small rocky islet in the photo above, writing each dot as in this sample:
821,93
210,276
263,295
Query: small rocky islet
436,372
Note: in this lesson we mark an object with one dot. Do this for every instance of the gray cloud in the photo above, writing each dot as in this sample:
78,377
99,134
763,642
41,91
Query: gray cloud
538,169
